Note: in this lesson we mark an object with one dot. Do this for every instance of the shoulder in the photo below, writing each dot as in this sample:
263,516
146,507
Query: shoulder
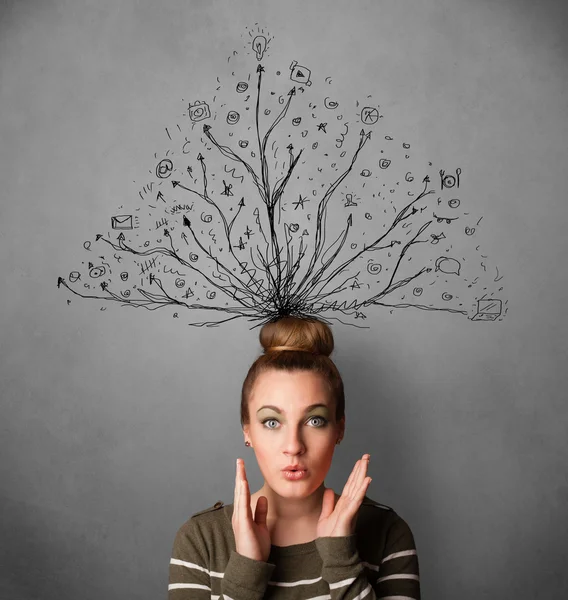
379,523
203,523
201,531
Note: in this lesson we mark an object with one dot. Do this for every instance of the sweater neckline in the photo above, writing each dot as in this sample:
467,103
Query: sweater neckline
278,551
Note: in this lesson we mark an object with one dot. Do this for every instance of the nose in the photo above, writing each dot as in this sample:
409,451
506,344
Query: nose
293,444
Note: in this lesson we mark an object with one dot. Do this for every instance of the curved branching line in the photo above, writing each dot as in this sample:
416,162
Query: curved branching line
391,288
215,323
248,292
373,247
226,151
422,307
264,165
262,147
316,278
340,288
162,250
406,247
257,214
279,189
322,207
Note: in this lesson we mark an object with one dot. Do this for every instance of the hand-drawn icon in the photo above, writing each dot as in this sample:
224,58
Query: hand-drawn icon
233,117
228,187
446,296
126,293
437,238
124,276
300,74
296,121
164,168
365,173
384,163
193,257
369,115
322,126
417,291
206,218
87,246
449,181
294,227
453,203
259,45
349,200
242,87
267,111
210,294
97,272
331,104
408,177
488,310
450,266
368,216
121,222
447,219
74,276
243,143
179,283
199,111
374,268
469,230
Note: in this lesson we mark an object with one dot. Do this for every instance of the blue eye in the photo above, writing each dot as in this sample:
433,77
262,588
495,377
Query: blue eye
323,420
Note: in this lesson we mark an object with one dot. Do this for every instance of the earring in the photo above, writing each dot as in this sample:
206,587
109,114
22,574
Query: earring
247,443
338,441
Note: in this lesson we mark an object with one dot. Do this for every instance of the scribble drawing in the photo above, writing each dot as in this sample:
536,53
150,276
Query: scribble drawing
277,195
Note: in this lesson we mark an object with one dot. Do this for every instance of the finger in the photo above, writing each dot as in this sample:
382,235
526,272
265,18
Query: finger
364,467
261,510
351,484
245,495
349,481
237,491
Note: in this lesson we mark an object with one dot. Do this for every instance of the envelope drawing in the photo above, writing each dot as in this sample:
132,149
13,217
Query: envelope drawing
122,222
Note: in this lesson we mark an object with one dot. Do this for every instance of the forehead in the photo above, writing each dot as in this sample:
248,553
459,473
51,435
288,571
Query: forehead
288,389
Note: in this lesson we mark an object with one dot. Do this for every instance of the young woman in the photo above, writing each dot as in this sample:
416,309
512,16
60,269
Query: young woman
294,538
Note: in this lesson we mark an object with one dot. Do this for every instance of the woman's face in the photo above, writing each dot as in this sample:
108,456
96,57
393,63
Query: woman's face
292,420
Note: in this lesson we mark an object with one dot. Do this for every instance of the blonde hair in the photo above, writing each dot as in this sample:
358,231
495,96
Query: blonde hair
295,344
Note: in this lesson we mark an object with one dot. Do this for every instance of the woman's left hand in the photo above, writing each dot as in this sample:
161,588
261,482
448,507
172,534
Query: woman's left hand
341,520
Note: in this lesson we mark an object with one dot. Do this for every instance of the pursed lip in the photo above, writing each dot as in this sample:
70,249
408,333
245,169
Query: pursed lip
294,468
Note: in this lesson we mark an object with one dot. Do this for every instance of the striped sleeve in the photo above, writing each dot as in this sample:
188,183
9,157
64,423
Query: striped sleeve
399,576
190,576
344,571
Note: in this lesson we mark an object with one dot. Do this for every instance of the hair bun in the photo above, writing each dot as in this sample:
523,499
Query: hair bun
295,333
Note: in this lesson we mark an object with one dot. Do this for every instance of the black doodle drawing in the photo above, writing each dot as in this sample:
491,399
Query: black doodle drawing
306,225
122,222
300,74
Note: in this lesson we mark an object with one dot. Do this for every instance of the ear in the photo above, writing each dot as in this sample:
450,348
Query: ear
246,429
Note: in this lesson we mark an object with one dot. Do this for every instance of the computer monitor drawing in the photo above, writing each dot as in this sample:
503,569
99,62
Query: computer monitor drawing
488,310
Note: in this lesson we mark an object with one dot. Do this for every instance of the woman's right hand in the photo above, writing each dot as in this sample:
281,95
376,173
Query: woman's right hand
251,535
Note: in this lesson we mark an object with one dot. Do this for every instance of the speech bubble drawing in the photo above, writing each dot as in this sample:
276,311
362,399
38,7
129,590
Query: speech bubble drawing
450,266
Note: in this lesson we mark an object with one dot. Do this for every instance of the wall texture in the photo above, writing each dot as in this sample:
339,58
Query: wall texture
117,425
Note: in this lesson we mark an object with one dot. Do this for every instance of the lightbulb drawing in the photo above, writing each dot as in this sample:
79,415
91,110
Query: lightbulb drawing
259,46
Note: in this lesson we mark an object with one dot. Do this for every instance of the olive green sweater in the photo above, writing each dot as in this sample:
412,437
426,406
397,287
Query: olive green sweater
378,561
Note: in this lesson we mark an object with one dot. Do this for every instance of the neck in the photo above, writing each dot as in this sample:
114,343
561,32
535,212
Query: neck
286,509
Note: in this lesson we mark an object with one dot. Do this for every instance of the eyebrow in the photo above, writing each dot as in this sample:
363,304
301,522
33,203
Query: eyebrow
276,409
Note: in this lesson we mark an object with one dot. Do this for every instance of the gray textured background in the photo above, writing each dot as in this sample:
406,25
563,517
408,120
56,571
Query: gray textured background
118,425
